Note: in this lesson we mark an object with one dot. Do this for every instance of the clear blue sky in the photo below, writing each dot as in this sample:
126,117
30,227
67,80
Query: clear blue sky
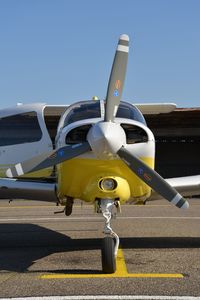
61,51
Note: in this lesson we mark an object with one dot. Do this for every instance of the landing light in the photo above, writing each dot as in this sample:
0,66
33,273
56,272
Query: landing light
108,184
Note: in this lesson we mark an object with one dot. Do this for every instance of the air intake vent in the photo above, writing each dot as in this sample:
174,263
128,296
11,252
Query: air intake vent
134,134
77,135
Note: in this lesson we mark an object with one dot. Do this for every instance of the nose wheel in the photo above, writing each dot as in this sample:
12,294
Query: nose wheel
108,255
110,243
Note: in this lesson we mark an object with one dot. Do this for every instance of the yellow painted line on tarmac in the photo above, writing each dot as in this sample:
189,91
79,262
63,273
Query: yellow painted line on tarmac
121,272
154,275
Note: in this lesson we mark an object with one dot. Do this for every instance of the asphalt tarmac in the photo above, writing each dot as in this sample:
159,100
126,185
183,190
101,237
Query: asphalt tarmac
42,254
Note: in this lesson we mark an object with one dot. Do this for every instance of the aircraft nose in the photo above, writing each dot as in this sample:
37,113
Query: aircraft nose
106,138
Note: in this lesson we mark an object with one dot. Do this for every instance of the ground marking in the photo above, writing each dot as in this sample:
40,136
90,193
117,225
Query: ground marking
121,272
87,218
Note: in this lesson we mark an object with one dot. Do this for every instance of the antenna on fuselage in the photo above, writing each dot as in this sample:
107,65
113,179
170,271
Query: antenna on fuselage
95,98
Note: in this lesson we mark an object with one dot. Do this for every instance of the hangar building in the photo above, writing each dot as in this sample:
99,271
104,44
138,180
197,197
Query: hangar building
177,137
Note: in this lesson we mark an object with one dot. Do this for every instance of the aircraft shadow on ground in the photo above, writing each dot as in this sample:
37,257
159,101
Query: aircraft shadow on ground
23,244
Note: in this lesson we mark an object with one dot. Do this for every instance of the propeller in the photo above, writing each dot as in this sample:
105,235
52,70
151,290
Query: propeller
152,178
47,160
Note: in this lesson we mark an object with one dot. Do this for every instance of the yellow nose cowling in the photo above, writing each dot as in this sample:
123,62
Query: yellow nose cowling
112,187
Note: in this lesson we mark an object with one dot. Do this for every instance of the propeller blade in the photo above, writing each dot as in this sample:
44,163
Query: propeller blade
152,178
117,76
47,160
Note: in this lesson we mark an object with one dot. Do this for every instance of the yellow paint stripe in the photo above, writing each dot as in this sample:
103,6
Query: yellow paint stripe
154,275
133,275
121,272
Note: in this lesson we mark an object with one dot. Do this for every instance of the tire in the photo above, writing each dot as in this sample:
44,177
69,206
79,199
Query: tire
108,256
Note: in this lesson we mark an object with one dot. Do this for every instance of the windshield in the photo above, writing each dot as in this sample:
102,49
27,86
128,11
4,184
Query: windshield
83,110
91,109
129,111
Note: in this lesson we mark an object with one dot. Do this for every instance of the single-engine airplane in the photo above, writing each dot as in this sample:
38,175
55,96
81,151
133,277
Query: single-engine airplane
103,153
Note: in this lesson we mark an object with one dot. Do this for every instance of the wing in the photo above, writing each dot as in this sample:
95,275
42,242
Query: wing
155,108
27,189
187,186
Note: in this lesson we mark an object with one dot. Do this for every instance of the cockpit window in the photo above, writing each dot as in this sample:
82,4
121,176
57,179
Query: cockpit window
128,111
91,109
84,110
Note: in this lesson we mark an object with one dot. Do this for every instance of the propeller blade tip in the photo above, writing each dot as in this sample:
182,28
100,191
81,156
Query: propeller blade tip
185,205
9,173
124,37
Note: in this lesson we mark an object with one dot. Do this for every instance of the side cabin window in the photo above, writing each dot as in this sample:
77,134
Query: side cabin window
20,129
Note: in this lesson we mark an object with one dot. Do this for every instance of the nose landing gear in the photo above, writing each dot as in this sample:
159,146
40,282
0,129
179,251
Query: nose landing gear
110,243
